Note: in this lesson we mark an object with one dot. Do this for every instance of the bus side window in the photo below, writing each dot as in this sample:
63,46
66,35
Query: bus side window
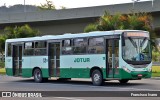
96,45
66,47
9,49
29,48
40,48
80,46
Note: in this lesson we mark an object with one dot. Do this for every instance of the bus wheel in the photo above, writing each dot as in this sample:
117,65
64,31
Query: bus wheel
123,81
97,78
38,75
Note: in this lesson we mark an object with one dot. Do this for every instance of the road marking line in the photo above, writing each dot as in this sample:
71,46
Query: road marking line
127,88
68,98
140,89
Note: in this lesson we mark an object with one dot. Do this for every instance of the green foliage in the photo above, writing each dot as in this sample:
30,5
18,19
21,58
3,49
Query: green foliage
2,65
155,69
90,27
20,32
155,56
134,21
16,32
47,6
2,71
155,74
2,43
62,7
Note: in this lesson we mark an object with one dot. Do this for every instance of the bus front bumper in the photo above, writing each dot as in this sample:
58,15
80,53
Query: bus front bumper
135,74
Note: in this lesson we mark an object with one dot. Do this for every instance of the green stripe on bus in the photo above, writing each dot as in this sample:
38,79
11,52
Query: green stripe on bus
82,73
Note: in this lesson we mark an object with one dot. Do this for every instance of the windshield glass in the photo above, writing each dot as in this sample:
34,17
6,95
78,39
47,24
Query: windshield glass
136,49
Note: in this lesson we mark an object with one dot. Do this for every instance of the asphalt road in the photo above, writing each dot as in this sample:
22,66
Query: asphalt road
8,83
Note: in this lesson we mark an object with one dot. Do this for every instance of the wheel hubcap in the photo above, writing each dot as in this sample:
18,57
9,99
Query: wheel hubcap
38,75
96,77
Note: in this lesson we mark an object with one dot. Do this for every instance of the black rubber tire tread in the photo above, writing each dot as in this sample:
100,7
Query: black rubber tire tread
100,81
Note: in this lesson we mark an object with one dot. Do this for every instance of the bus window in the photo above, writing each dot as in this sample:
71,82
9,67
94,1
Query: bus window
29,48
9,49
80,45
40,48
66,43
66,49
96,45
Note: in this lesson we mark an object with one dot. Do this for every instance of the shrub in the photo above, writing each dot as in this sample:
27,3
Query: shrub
2,64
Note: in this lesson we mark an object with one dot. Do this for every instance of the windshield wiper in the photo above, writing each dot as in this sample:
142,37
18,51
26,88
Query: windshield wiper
144,40
134,44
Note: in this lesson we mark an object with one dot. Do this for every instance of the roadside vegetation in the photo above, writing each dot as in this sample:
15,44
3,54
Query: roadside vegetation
2,69
49,5
155,71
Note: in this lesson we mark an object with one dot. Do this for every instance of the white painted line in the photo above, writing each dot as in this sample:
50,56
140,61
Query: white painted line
130,89
139,89
66,98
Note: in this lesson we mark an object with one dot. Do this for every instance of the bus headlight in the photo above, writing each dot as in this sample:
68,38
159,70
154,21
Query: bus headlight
126,69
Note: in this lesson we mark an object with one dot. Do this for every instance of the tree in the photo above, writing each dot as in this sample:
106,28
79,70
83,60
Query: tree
2,44
62,7
20,32
134,21
16,32
91,27
49,5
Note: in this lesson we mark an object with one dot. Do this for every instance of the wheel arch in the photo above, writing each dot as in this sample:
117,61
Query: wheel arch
95,68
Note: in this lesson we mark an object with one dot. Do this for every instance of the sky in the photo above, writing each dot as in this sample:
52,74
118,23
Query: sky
66,3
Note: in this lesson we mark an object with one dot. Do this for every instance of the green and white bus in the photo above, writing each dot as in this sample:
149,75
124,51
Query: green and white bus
101,55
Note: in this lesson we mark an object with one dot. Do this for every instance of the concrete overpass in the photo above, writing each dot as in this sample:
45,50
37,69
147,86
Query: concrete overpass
73,20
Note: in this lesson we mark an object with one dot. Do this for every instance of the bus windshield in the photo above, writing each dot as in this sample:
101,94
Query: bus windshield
136,49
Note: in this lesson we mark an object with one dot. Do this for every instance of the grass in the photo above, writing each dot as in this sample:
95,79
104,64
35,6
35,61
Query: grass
155,74
2,71
155,71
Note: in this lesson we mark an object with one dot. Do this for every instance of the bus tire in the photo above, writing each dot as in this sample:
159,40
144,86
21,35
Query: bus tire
37,75
97,77
123,81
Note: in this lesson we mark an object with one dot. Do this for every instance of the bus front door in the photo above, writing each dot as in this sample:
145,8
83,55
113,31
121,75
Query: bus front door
54,59
17,59
112,53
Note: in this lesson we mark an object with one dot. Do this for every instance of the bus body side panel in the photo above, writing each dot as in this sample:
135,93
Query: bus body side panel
42,63
78,66
26,67
29,63
8,66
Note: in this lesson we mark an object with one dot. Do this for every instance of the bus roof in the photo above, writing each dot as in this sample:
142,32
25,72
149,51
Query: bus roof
69,35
